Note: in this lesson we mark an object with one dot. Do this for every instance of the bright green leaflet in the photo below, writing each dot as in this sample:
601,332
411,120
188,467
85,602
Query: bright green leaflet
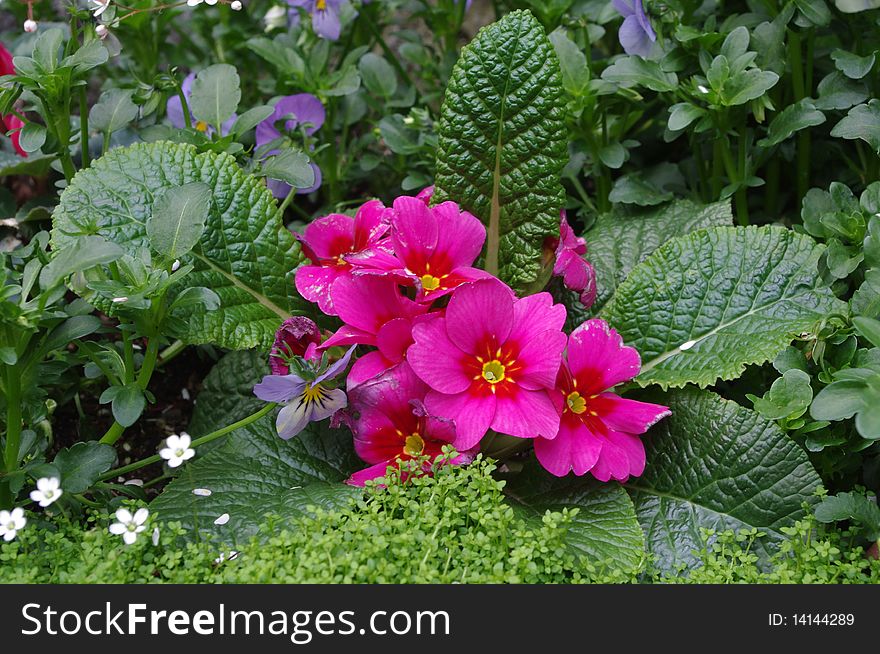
245,255
704,306
502,143
255,473
605,528
716,465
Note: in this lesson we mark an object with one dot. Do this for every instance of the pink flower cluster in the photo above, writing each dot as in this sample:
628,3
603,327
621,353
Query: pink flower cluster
450,353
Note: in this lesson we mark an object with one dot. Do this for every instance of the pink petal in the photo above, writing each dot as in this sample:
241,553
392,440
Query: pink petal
625,415
367,474
313,283
540,360
451,282
461,235
575,449
348,335
435,359
598,359
472,415
367,367
480,315
575,270
367,302
394,337
370,223
526,414
414,229
613,462
330,236
534,315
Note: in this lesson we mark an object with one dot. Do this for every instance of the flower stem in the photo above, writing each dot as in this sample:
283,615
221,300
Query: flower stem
214,435
287,200
143,379
13,417
84,126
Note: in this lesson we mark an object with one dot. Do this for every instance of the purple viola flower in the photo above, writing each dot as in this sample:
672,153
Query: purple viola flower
636,34
325,16
304,401
174,109
304,108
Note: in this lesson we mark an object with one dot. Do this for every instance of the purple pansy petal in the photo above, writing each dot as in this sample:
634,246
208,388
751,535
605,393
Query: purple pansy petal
292,419
337,367
336,400
633,38
279,388
644,23
326,22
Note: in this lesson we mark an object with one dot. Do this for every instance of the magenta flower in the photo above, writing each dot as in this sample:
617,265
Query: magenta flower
375,313
328,240
431,247
174,110
297,337
577,273
305,400
598,430
300,109
636,34
490,361
393,424
426,194
325,16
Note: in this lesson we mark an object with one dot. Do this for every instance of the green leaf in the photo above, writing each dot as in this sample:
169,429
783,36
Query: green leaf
113,111
178,219
81,464
747,85
572,63
78,256
47,48
789,396
255,473
377,75
840,400
227,394
128,404
638,188
251,118
862,122
502,143
852,65
793,118
683,114
869,328
31,137
635,71
703,306
815,11
605,528
89,56
290,166
245,255
855,6
215,95
72,328
35,165
836,91
851,506
619,241
715,465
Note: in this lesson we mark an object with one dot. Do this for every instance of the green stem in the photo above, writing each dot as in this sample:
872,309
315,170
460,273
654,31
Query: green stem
143,379
214,435
171,351
13,417
113,434
798,78
84,126
287,200
742,210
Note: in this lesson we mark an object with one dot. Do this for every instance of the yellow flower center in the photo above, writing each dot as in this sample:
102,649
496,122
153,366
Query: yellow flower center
321,5
202,126
576,403
313,394
493,371
414,445
430,283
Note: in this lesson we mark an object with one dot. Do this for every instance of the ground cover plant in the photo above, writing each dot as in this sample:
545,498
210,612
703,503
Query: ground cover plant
569,291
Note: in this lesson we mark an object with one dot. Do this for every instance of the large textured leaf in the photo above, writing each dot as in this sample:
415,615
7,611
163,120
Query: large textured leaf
605,528
501,142
715,465
256,473
704,306
227,394
244,255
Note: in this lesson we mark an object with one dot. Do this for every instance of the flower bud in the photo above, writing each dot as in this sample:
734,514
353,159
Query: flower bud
30,25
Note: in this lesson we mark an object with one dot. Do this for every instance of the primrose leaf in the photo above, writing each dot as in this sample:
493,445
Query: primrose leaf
716,465
178,218
502,143
227,393
704,306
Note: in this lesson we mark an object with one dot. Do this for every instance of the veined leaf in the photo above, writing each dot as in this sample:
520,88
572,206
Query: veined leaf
501,142
605,529
227,393
244,254
715,465
704,306
255,473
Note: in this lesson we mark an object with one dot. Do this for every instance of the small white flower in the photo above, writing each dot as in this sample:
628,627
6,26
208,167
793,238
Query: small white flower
48,490
193,3
686,345
101,32
129,526
222,520
201,492
175,265
235,5
275,17
11,522
177,449
122,298
99,7
702,89
156,537
226,557
30,25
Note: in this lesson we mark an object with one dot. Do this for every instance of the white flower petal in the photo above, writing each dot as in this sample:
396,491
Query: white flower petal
141,515
173,442
155,537
123,515
5,517
9,535
17,514
117,528
293,418
202,492
222,520
129,537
